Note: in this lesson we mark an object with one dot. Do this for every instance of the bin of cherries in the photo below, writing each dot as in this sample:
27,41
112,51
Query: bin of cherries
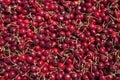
59,40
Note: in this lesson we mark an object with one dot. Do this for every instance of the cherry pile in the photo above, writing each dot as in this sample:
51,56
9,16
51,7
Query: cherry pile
59,40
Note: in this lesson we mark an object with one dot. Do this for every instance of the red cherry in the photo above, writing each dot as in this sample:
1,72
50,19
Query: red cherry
118,25
113,35
71,28
22,57
92,26
92,39
61,66
88,4
34,24
118,19
8,2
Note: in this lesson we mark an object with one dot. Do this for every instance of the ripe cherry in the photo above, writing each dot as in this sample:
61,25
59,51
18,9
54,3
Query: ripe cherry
8,2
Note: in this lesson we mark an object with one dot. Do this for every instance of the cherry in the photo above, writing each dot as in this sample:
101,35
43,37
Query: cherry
71,28
74,75
8,2
68,69
102,50
102,78
101,65
61,66
18,78
45,69
1,78
12,74
118,19
8,68
29,59
22,57
51,68
19,9
92,75
109,77
59,76
67,77
103,58
85,77
24,68
113,35
6,74
88,4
